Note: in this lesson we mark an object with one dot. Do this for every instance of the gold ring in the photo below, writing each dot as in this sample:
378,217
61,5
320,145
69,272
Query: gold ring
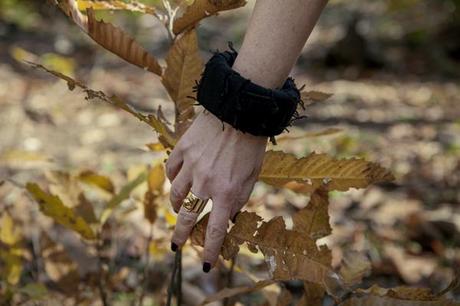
194,204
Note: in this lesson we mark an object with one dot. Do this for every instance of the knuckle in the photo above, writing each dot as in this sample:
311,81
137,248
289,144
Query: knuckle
203,174
176,191
216,232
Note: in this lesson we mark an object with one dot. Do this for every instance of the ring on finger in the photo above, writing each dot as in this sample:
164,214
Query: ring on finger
192,203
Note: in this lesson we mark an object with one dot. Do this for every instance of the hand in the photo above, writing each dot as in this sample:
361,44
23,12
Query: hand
215,161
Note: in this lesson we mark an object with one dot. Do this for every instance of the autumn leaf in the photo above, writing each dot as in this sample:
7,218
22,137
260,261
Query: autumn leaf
121,44
288,254
184,67
305,175
155,181
52,206
11,252
313,96
132,6
165,136
201,9
92,178
313,220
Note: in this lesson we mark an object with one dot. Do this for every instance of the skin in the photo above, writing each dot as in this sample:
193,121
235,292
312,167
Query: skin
223,164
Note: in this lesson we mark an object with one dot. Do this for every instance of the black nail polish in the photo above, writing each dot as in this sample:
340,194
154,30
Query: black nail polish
173,247
206,267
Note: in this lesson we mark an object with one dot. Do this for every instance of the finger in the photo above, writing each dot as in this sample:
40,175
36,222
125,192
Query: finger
184,225
180,188
244,196
215,232
174,163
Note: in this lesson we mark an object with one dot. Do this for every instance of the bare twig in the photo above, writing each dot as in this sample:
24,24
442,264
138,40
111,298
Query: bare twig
179,278
230,279
172,283
101,280
144,279
171,15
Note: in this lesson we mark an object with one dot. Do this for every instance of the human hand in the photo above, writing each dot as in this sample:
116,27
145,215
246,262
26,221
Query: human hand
219,163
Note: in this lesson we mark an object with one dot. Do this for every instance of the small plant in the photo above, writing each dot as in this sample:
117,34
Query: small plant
290,254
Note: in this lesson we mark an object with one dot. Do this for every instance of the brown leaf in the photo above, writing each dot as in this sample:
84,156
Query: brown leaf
313,220
288,254
201,9
120,43
229,292
354,267
305,175
184,66
150,207
132,6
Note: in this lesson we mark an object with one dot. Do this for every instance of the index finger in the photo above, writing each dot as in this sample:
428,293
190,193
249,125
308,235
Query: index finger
216,231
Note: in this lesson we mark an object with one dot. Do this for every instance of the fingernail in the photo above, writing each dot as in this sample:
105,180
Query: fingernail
173,247
206,267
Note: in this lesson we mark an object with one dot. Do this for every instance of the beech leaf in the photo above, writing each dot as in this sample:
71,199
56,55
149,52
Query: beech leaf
184,67
305,175
132,6
201,9
52,206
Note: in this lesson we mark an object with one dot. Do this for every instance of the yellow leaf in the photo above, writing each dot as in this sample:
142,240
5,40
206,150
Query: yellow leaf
305,175
8,233
155,147
100,181
132,6
165,137
201,9
13,265
170,218
184,66
121,44
156,178
53,207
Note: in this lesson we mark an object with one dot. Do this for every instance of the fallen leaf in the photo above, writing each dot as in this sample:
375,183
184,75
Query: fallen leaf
230,292
52,206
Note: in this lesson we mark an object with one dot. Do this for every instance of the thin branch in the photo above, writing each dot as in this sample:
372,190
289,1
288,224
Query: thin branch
144,279
179,278
229,280
172,283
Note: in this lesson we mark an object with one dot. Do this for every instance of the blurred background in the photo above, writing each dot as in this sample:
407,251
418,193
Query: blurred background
393,67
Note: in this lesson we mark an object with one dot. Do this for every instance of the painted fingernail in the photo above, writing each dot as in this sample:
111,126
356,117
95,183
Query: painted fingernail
206,267
173,247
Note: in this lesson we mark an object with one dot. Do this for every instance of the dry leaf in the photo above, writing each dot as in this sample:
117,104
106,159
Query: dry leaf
53,207
201,9
165,136
354,267
132,6
184,66
313,220
288,254
229,292
311,97
92,178
313,295
305,175
120,43
10,252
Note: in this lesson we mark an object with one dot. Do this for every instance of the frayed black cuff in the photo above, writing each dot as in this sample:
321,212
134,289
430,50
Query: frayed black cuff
246,106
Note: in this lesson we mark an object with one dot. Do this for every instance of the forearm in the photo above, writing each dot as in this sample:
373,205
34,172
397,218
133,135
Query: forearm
277,32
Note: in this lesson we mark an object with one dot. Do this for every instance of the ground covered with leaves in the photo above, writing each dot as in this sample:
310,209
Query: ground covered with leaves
59,150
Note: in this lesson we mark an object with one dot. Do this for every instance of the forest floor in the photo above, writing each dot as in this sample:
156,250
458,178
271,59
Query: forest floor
410,229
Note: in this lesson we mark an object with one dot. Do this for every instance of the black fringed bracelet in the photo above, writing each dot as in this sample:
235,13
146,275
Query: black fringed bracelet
246,106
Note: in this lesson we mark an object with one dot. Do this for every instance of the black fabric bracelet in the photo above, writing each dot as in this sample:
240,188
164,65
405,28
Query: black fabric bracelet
246,106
